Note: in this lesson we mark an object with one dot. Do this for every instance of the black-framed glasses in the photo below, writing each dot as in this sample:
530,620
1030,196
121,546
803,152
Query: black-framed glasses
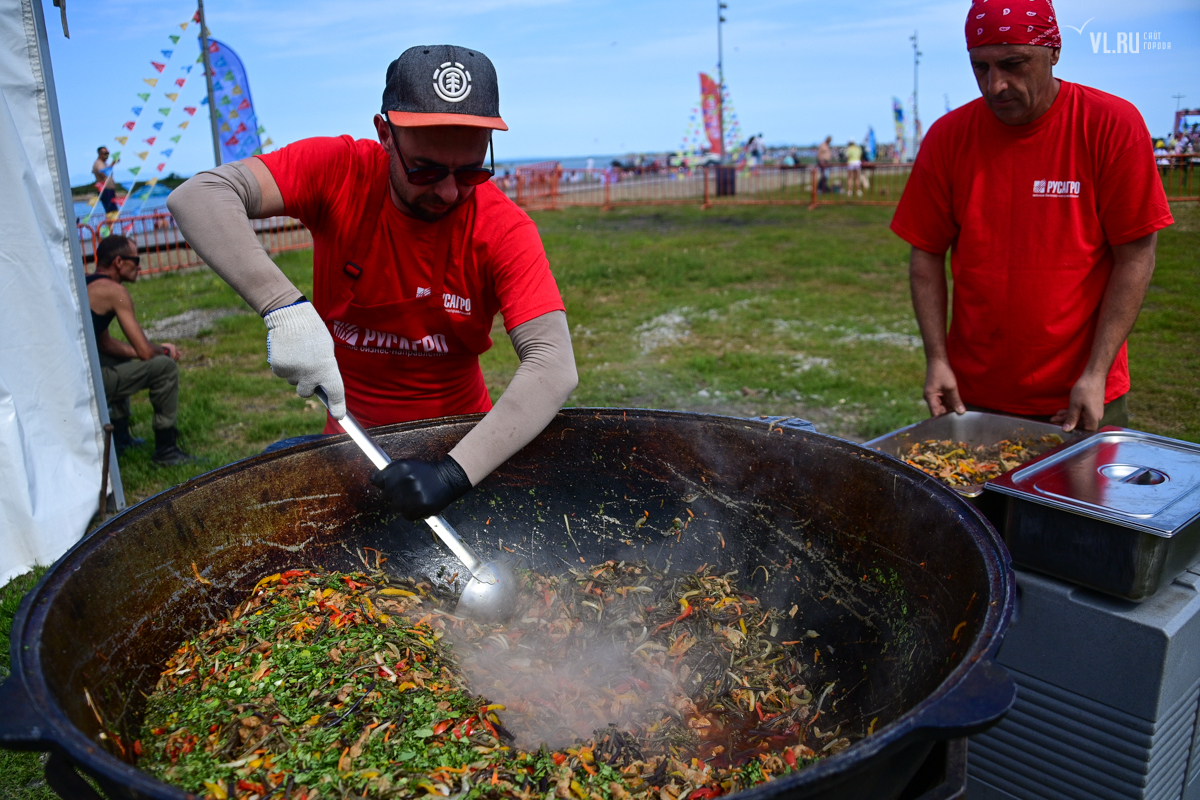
137,260
463,176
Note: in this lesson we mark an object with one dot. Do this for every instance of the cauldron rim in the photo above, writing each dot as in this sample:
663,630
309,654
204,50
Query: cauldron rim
37,708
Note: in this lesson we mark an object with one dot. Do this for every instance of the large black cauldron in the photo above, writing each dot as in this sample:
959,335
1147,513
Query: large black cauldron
908,587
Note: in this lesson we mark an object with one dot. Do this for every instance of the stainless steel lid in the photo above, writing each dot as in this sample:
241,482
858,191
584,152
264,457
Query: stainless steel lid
1138,480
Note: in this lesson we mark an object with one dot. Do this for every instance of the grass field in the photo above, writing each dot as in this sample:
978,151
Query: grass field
756,310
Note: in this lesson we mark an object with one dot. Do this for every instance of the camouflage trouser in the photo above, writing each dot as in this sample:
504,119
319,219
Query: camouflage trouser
123,377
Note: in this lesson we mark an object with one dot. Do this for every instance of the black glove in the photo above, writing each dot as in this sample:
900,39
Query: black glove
419,489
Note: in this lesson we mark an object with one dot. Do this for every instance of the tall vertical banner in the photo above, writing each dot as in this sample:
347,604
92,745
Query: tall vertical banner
898,113
710,92
237,124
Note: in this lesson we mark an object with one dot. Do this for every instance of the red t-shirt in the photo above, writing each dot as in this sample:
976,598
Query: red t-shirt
1030,213
404,352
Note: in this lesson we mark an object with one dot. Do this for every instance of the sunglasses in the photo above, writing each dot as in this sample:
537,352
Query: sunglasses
463,176
137,260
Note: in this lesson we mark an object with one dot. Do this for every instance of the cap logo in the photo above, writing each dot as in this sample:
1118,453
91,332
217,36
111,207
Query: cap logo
452,82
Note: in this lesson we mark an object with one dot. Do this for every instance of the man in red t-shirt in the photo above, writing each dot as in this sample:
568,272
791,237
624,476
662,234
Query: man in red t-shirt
1046,194
414,253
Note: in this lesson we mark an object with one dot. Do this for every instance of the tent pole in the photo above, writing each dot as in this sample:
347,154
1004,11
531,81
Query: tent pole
208,80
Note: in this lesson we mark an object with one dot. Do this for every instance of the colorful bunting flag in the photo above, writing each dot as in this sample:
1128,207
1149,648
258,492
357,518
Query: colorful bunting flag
142,155
240,128
121,139
129,125
224,127
204,101
231,141
167,153
261,130
180,81
233,113
116,156
268,142
166,53
165,111
137,111
144,95
160,166
157,126
157,66
135,170
174,38
217,87
172,96
190,110
184,124
225,101
176,138
245,104
236,90
152,81
150,141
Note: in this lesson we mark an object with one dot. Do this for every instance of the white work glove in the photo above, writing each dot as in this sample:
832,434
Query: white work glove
300,350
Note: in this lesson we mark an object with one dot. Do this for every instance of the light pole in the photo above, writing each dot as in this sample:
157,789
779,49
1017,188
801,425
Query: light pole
1178,100
916,115
721,6
208,80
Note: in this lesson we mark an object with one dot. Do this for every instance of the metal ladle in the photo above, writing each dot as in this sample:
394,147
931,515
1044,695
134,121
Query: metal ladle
491,593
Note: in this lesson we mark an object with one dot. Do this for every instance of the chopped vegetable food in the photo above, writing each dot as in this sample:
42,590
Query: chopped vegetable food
961,464
327,685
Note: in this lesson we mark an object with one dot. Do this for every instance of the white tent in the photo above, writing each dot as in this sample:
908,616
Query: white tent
51,423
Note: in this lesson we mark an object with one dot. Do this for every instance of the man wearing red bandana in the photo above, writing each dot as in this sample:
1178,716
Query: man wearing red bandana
1046,195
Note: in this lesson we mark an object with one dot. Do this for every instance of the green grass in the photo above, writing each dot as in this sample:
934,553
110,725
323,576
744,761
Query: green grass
21,775
735,310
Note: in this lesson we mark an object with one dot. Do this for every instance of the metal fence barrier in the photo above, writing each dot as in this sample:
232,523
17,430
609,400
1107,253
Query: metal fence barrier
551,186
162,247
1180,176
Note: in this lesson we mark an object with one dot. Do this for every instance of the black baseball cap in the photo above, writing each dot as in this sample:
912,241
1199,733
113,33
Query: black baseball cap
440,84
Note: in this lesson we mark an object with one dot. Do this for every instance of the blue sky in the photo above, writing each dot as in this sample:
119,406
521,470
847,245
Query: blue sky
588,77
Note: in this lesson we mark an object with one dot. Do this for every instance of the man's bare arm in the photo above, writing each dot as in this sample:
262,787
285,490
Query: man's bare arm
109,346
927,277
1133,267
214,209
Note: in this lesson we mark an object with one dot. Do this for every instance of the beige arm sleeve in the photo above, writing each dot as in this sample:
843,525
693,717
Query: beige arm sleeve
213,210
537,391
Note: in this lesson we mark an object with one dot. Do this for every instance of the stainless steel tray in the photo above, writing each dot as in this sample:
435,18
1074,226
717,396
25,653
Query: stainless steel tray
1119,512
973,427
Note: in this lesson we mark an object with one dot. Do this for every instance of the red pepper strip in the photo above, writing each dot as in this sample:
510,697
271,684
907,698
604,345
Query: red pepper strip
491,728
137,747
687,613
441,726
559,758
294,573
247,786
704,794
789,757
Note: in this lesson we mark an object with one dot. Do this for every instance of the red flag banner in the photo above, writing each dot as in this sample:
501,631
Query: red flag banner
710,94
158,66
231,141
245,104
129,125
180,81
150,141
190,110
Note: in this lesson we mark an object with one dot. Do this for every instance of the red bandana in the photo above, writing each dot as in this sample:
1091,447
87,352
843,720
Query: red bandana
1012,22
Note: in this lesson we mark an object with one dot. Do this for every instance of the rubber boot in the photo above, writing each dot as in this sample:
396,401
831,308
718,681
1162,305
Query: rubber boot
122,438
167,452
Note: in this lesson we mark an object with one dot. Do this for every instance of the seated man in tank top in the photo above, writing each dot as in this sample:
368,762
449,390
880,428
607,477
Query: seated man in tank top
130,366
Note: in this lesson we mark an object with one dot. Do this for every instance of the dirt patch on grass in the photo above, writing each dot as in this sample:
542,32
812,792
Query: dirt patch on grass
189,324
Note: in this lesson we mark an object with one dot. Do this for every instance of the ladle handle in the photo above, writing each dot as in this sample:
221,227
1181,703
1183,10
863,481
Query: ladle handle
462,551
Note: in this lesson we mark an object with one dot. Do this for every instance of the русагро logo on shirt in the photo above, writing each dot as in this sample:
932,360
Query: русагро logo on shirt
1067,189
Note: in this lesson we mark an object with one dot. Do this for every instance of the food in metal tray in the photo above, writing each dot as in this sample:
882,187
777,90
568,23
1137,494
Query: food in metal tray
962,464
614,681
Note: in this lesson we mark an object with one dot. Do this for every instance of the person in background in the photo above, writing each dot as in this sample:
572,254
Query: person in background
104,182
854,155
1047,196
825,159
136,364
